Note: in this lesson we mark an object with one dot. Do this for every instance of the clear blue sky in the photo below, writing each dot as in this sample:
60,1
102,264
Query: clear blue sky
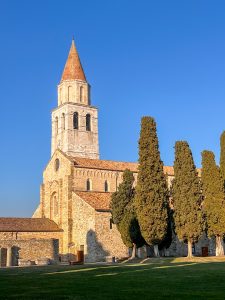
165,59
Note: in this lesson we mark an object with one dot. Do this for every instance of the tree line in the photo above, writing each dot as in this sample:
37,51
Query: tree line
194,204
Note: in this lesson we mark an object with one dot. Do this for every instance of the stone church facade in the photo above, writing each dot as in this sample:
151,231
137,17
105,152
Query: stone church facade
77,187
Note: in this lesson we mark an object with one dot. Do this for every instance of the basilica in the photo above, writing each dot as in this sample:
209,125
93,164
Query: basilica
73,220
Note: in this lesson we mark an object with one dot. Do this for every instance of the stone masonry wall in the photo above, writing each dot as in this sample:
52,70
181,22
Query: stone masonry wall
57,186
32,249
91,229
83,216
109,242
30,235
178,248
82,226
98,178
75,142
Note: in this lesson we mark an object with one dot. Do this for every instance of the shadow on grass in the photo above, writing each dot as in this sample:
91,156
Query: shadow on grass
153,279
122,268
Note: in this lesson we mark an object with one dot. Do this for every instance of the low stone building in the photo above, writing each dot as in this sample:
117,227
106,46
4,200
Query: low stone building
29,240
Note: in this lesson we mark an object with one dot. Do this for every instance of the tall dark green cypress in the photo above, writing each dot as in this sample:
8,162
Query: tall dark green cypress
122,197
186,193
222,155
130,230
214,199
123,213
151,198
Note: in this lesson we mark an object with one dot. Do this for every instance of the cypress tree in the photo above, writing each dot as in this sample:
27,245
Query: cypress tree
214,199
151,198
222,155
186,193
130,230
121,198
124,215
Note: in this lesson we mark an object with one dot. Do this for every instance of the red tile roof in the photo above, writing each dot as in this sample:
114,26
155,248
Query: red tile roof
111,165
97,200
28,225
104,164
73,69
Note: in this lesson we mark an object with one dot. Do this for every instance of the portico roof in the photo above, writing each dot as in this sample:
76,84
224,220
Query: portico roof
28,225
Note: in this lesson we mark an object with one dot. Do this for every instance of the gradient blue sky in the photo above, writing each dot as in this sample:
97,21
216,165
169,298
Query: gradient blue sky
165,59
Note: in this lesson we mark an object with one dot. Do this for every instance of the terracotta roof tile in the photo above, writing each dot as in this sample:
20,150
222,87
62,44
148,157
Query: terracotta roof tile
104,164
28,225
111,165
73,69
97,200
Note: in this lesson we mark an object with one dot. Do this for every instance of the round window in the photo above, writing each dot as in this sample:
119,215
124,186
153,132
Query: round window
56,164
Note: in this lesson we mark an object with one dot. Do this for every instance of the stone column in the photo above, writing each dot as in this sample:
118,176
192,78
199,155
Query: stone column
9,257
0,257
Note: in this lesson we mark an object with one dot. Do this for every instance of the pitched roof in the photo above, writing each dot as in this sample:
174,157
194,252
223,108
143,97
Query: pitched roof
28,225
73,69
104,164
97,200
111,165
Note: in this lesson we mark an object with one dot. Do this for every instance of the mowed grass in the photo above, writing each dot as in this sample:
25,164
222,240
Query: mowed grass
152,279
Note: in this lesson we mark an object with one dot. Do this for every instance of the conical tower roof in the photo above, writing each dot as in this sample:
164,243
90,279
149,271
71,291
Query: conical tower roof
73,69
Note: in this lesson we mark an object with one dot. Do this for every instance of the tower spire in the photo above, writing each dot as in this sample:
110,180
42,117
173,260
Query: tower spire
73,69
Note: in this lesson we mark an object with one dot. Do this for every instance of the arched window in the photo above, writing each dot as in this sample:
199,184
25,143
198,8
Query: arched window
88,122
63,121
88,185
81,94
106,186
75,120
60,95
57,163
69,93
56,125
56,206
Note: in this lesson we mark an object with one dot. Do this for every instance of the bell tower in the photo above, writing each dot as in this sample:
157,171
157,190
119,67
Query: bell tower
75,121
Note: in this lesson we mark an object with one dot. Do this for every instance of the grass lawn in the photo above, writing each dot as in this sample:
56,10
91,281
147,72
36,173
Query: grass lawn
200,278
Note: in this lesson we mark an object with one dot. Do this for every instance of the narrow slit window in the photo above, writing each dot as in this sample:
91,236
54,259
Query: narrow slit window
106,186
88,187
88,122
60,95
63,121
110,223
56,125
56,206
69,93
81,94
75,120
